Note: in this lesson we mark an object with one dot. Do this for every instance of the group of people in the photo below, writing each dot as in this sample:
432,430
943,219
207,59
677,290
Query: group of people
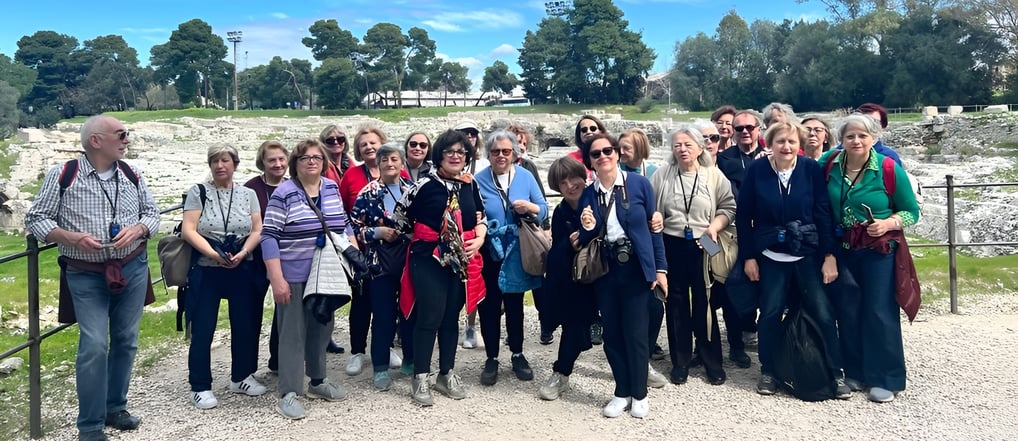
439,222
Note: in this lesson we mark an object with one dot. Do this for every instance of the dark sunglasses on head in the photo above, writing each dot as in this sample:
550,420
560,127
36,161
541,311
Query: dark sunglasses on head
748,128
712,138
335,140
591,129
605,151
415,144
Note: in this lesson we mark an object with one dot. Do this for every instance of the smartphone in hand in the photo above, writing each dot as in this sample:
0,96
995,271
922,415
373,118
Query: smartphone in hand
869,214
709,245
659,293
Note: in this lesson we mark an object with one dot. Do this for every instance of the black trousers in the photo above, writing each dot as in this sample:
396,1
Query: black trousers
490,312
688,310
573,306
360,320
440,294
622,296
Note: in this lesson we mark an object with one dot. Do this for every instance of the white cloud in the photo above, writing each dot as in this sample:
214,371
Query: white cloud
443,26
503,50
462,21
280,15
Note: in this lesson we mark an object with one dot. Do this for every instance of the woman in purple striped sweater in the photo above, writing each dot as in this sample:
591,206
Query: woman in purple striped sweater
290,233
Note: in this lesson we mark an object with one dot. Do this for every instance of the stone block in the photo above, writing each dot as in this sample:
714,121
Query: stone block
930,111
998,108
954,110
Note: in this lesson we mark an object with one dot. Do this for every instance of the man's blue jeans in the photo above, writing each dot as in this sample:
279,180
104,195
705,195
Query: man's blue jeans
108,339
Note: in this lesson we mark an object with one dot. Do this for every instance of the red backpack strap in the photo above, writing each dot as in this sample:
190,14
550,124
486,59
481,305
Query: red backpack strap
67,175
887,167
829,165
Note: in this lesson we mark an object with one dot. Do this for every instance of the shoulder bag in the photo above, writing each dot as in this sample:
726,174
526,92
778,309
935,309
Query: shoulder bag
534,246
591,262
721,263
175,253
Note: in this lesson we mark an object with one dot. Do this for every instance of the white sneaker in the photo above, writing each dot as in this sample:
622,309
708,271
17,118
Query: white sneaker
654,378
355,365
395,361
469,338
640,408
204,400
616,407
248,386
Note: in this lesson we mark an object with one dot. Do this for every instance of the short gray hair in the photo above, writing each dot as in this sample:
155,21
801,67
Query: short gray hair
499,135
390,148
859,120
218,149
689,131
768,112
93,124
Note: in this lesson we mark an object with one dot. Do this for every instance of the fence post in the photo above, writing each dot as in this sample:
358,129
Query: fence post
951,249
34,352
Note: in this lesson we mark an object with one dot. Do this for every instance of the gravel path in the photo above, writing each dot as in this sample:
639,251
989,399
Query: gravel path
961,386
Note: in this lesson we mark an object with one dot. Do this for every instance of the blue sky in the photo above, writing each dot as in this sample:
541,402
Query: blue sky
474,33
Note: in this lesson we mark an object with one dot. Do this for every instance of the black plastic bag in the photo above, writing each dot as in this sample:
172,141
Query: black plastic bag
800,359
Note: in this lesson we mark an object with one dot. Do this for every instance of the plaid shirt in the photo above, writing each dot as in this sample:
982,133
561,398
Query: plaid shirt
84,207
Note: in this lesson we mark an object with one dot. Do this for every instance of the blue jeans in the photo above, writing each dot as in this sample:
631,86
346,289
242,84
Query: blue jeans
107,340
208,286
869,322
777,281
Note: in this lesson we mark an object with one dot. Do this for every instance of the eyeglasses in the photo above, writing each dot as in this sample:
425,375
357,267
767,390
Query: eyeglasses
451,153
415,144
748,128
595,154
501,152
591,129
816,129
310,158
335,140
470,132
121,134
712,138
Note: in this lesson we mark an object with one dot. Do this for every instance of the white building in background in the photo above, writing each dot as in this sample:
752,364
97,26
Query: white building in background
413,98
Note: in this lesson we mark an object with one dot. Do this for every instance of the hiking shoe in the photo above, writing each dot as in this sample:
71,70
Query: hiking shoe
420,390
451,386
406,368
658,353
248,386
122,420
654,378
489,376
880,395
395,361
334,348
616,407
355,365
290,407
469,338
595,336
740,358
768,385
854,384
554,387
204,400
640,408
382,381
521,367
327,391
841,390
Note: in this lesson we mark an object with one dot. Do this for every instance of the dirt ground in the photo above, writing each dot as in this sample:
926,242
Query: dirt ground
961,385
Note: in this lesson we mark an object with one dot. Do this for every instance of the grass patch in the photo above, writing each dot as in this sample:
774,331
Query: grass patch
7,159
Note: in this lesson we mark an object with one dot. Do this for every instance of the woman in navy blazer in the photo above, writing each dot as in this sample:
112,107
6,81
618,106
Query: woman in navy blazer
624,203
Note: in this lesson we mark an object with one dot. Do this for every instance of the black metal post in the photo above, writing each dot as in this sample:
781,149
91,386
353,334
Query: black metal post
951,249
34,352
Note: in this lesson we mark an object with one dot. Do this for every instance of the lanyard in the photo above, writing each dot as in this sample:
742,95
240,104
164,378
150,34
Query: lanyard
855,180
229,210
115,200
687,202
395,199
501,192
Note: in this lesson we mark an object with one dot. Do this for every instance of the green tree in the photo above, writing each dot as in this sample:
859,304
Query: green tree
497,78
114,80
10,116
192,60
544,60
451,77
694,76
389,52
49,54
336,82
17,75
328,40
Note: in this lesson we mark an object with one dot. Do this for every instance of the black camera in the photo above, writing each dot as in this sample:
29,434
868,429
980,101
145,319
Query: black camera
623,251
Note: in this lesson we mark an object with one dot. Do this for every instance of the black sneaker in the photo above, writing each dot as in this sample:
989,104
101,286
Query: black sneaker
841,389
547,337
521,367
679,375
334,348
740,358
595,334
122,420
658,353
718,379
767,385
489,376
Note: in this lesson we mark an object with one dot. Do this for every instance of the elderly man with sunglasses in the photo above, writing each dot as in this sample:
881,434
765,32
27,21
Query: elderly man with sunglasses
100,223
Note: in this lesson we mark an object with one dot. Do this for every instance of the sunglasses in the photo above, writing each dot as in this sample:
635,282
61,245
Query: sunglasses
451,153
310,158
591,129
121,134
415,144
501,152
712,138
470,132
595,154
748,128
335,140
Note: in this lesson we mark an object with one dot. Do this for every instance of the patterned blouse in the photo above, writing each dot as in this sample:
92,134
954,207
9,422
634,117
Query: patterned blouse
370,210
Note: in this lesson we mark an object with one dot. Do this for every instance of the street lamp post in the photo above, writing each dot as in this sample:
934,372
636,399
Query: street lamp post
235,37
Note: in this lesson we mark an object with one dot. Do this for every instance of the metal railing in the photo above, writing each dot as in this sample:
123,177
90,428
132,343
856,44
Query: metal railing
35,338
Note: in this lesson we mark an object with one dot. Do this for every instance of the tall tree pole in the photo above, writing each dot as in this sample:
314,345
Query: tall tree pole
235,37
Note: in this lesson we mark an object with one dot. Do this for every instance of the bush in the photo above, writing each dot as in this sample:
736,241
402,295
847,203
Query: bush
645,104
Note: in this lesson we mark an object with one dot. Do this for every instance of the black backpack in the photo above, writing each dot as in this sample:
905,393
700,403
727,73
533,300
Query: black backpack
800,359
